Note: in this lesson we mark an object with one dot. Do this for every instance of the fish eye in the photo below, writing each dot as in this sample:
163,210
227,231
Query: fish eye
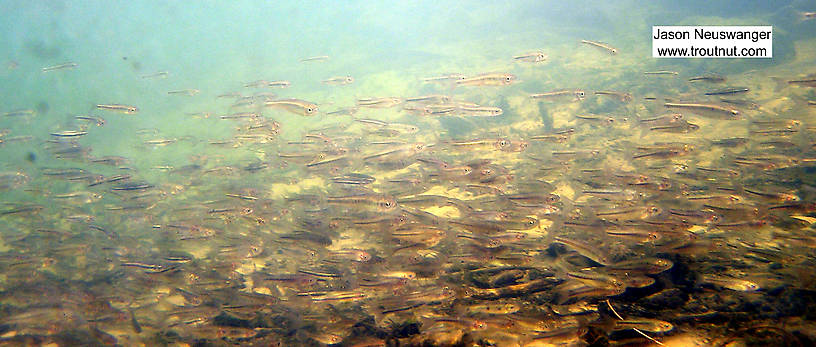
507,78
502,143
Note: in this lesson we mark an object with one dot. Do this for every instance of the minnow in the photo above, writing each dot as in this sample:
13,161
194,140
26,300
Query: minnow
781,197
348,111
620,96
728,91
19,113
315,58
680,127
436,99
445,78
610,49
98,120
584,249
492,79
578,94
644,324
340,80
662,72
480,111
298,106
385,102
532,57
187,92
160,74
126,109
159,142
707,110
713,78
65,66
69,133
279,84
730,142
730,283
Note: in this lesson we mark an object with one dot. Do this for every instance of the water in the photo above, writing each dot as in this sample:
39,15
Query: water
416,223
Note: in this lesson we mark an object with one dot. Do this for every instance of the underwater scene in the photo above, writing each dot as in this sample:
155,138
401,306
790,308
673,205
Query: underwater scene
403,173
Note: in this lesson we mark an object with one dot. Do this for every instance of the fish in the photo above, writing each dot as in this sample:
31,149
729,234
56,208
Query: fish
661,72
611,50
649,266
620,96
575,94
605,121
728,91
64,66
644,324
318,58
681,126
730,142
69,133
732,283
711,78
584,249
773,196
386,102
504,145
185,92
809,81
430,99
707,110
489,79
297,106
98,120
18,113
158,74
339,80
126,109
480,111
532,57
278,84
807,15
380,201
346,111
453,77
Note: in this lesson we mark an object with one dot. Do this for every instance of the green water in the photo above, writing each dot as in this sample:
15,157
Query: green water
103,269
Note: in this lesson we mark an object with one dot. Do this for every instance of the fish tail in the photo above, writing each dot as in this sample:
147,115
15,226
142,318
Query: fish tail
779,83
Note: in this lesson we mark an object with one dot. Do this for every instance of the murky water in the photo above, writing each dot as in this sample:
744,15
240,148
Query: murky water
413,173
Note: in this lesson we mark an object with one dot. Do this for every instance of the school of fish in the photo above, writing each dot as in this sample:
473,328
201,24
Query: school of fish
443,217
